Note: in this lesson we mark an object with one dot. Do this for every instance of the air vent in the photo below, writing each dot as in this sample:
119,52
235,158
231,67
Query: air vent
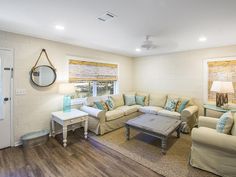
107,16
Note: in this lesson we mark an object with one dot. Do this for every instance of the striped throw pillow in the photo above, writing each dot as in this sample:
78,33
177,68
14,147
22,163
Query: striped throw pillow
101,105
225,123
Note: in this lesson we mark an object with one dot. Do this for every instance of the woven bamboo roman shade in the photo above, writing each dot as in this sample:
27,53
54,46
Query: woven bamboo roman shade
92,71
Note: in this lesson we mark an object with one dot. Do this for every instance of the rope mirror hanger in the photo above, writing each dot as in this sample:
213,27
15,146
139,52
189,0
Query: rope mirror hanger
43,75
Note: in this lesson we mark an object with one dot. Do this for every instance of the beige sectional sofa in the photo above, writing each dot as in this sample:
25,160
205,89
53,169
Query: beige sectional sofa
101,122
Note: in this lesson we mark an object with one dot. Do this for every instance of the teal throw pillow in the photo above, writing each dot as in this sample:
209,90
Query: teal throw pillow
140,100
182,105
225,123
101,105
129,100
109,104
171,104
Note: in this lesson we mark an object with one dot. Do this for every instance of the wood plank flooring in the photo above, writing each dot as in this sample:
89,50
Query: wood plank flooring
81,158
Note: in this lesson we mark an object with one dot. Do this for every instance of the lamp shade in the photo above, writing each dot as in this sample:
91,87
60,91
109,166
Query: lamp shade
66,88
222,87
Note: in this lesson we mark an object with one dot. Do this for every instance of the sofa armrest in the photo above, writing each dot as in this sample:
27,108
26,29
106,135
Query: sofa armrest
209,122
189,111
210,137
97,113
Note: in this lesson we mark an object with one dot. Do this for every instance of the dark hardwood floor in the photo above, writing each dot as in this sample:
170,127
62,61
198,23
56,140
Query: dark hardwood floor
81,158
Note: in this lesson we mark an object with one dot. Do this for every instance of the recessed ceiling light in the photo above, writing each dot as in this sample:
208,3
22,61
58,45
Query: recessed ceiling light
138,50
202,39
59,27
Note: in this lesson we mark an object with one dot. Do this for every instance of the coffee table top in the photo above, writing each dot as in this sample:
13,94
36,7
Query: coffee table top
155,123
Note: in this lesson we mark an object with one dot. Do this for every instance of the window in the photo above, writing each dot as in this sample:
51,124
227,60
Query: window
105,88
94,88
221,70
93,78
83,89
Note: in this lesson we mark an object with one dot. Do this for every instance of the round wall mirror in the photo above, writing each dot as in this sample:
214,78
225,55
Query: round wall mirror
43,75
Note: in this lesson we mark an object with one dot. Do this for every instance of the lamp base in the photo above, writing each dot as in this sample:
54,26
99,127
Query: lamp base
221,99
66,104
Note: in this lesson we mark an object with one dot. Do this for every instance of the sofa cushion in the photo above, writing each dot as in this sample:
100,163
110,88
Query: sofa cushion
128,109
150,109
171,104
171,114
146,95
140,100
136,106
117,100
114,114
225,123
129,100
157,100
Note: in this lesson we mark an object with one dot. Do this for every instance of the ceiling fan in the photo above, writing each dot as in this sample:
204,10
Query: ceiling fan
148,44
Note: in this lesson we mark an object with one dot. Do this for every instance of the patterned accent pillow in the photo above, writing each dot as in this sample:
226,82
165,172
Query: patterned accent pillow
181,105
225,123
171,104
129,100
101,105
110,104
140,100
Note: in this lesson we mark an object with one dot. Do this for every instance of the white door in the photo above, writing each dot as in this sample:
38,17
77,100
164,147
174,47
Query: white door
6,71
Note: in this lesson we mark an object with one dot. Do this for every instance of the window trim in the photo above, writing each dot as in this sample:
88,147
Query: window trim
206,74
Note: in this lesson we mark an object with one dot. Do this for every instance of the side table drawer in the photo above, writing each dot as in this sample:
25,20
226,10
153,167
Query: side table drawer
75,120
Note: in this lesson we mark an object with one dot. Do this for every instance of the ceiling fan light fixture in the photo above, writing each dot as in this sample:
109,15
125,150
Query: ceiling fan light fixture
147,44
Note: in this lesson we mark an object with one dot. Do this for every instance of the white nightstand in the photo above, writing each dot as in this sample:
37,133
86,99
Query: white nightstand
69,118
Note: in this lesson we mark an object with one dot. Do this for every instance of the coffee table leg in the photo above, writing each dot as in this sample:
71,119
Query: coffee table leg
127,132
163,145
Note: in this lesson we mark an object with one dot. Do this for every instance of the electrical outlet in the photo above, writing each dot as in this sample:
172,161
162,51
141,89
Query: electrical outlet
21,91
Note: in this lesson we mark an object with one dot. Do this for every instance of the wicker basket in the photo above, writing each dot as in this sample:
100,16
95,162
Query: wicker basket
35,138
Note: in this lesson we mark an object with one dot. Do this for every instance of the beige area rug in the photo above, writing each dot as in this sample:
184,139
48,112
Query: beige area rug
145,150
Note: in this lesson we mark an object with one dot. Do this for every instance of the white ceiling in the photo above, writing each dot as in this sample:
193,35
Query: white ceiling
175,25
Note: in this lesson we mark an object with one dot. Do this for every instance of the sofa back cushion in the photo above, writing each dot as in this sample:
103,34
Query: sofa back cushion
225,123
233,130
90,100
117,100
157,100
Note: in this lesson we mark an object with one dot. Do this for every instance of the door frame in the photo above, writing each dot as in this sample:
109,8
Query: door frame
12,140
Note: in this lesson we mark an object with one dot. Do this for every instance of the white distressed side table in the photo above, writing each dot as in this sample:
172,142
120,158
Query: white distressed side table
69,118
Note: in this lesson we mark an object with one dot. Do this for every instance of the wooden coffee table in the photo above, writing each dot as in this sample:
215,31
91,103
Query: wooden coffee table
155,125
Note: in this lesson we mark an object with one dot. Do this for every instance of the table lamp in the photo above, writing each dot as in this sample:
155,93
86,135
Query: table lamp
66,89
222,89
